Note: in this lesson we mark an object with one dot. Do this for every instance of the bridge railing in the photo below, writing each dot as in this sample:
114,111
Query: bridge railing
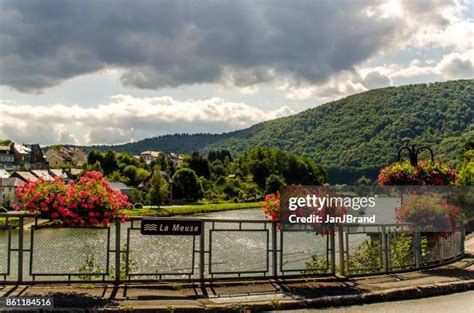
32,251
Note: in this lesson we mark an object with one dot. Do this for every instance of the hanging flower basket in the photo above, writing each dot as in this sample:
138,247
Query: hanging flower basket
424,173
435,217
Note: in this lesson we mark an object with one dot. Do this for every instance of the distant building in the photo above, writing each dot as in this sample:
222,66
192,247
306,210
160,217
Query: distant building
61,173
22,156
58,157
43,174
149,156
37,158
15,157
7,158
24,176
177,160
122,188
8,191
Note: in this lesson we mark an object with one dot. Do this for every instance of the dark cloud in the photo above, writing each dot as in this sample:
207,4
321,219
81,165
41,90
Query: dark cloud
171,43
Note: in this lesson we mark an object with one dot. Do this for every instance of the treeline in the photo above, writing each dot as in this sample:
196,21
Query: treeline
215,177
355,136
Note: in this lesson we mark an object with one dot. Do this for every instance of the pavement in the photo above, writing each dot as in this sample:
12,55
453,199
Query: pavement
253,296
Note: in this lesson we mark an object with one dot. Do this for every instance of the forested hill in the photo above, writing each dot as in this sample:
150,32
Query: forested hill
353,136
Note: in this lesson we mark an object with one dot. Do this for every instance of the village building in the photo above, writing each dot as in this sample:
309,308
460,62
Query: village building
177,160
60,157
149,156
7,158
8,191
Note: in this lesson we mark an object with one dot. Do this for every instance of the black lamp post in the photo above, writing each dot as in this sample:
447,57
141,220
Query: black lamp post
413,152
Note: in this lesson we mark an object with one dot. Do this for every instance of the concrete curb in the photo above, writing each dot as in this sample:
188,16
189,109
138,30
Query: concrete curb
406,293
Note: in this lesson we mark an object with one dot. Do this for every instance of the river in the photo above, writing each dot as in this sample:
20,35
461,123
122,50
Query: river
66,250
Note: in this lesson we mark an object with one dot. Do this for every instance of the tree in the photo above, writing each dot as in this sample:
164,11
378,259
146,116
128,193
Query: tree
95,156
217,169
130,173
364,181
158,189
187,185
466,169
109,164
199,164
273,184
220,155
260,171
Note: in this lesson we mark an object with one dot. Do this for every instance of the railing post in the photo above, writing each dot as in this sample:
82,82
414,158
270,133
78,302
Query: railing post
21,226
332,243
385,249
342,266
417,244
201,252
274,251
441,249
118,250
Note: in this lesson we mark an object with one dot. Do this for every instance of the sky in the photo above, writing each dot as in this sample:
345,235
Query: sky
104,72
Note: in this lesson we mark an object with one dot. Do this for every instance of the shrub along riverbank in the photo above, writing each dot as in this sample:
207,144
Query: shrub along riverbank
189,209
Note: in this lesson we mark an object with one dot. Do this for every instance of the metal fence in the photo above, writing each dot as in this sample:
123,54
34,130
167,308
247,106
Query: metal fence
226,249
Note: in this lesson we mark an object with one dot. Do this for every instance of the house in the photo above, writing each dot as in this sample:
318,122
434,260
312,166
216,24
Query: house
147,184
8,191
57,160
43,174
177,160
122,188
149,156
38,160
22,157
74,173
24,176
7,158
60,156
61,173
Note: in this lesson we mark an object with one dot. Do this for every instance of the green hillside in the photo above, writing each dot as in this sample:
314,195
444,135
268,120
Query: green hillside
356,135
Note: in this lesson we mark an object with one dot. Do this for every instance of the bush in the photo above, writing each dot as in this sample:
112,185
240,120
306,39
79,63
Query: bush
187,185
90,201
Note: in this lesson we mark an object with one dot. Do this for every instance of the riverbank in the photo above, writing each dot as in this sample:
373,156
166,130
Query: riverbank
191,209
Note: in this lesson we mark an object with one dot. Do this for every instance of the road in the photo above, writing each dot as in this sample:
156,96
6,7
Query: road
459,302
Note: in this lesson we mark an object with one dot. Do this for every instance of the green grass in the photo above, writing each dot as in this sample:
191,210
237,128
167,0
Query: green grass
190,209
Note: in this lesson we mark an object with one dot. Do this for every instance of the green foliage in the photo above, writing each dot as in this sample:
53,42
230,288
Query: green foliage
186,185
317,265
366,258
89,268
220,155
262,162
273,183
158,189
109,163
466,168
354,136
5,142
199,165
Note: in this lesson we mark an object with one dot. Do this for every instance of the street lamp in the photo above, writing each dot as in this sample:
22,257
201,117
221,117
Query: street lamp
413,152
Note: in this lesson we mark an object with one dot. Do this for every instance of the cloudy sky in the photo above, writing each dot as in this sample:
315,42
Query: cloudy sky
87,72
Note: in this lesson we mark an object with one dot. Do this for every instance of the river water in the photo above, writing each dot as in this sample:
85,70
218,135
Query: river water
230,247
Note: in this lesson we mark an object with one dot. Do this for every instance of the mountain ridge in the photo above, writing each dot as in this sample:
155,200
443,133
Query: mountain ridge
353,136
